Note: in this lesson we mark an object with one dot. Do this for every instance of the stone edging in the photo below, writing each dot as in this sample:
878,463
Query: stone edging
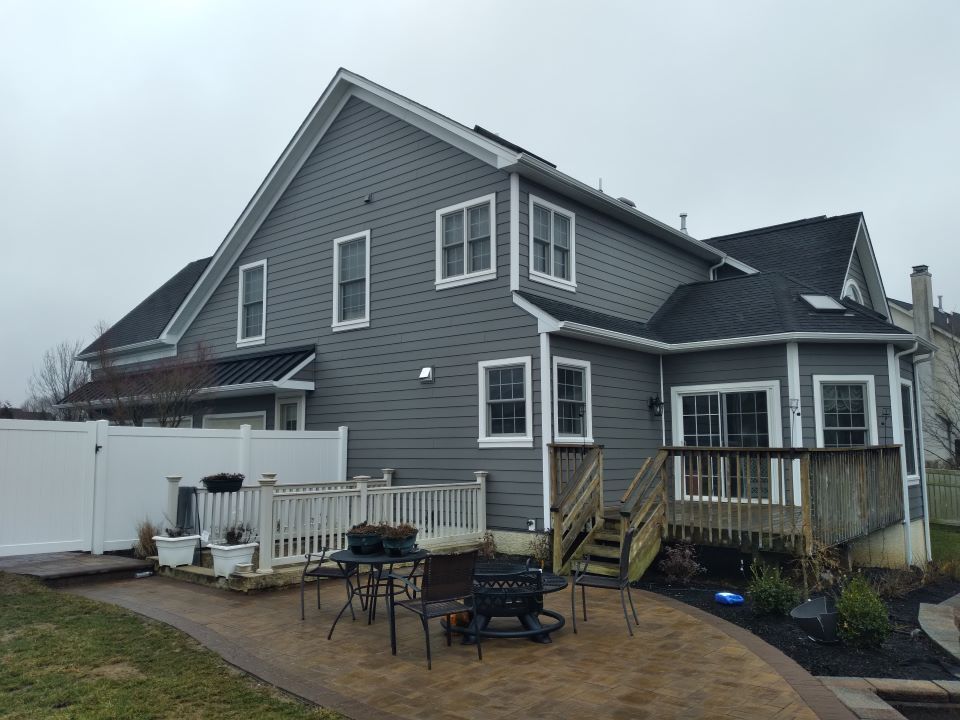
811,690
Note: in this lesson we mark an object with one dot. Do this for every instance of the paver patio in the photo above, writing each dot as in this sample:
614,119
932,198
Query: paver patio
682,663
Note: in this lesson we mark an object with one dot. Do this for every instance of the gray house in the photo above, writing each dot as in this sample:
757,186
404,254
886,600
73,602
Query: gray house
461,304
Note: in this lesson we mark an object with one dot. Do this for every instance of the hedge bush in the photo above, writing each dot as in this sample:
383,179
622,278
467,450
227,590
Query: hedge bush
862,615
771,592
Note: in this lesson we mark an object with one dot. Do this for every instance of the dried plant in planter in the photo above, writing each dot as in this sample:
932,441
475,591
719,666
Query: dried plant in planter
679,563
397,532
238,534
146,546
488,546
541,548
365,528
175,532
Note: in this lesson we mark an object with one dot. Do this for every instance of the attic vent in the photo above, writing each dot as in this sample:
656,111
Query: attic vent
824,303
627,201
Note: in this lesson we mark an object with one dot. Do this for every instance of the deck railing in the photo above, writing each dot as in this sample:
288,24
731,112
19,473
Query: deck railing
565,458
577,511
944,488
292,520
791,499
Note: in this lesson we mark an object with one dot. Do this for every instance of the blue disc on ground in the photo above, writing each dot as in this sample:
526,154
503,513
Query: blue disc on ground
728,598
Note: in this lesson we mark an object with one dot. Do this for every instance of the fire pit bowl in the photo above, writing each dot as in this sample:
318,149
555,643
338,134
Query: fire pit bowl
818,619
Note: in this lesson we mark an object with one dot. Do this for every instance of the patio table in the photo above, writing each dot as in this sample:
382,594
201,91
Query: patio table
370,592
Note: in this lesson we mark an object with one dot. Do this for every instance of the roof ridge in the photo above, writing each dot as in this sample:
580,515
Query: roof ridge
781,226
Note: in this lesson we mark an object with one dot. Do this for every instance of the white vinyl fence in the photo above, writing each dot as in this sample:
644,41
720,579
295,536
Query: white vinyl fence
85,486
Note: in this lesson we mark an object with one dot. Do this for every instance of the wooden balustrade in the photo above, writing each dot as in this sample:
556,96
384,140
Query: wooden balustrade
565,458
577,510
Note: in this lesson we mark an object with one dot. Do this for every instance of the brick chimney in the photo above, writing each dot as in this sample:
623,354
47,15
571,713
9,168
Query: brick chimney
921,283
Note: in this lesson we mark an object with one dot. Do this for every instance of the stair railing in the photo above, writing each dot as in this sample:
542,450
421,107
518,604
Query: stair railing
576,514
643,509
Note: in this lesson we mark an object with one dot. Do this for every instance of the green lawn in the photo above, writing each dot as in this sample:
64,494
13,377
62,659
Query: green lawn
945,542
62,656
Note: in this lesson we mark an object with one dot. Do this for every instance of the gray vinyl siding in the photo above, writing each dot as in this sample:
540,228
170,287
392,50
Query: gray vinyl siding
622,382
619,270
366,378
749,364
856,273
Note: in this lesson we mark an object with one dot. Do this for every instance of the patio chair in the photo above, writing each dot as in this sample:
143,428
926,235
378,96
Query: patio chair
584,579
447,581
321,571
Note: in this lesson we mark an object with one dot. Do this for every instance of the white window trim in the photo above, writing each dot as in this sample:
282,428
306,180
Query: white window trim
912,479
285,399
587,396
852,284
868,380
338,325
217,416
507,441
262,337
571,284
186,423
774,424
466,278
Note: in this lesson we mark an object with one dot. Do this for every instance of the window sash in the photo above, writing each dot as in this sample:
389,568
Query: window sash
551,242
506,401
571,401
844,413
251,304
467,241
289,415
352,264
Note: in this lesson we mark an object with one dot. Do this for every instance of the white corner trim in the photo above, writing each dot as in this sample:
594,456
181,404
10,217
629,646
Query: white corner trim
587,395
515,236
338,325
793,393
466,278
871,399
546,423
241,282
484,439
546,278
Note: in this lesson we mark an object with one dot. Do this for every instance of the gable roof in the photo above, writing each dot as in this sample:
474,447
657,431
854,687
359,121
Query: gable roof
815,250
478,142
148,319
748,309
949,322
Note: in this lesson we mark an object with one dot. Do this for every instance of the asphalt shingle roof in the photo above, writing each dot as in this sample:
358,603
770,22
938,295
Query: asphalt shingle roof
745,306
946,321
263,367
816,251
148,319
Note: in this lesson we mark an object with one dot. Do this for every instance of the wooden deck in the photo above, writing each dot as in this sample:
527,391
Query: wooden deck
744,525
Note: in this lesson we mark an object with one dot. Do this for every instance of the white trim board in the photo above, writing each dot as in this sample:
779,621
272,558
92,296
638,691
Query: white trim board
871,398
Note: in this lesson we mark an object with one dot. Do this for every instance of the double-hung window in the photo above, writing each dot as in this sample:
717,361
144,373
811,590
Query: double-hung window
252,304
466,242
845,410
351,281
552,244
909,430
572,411
506,403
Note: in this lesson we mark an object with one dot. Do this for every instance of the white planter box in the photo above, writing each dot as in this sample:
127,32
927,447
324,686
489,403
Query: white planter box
175,551
227,557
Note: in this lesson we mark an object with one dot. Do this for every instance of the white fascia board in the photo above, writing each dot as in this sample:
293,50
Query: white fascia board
878,294
741,266
545,321
254,388
140,347
544,174
344,85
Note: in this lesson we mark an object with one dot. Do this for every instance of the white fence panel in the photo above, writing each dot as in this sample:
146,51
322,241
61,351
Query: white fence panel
46,485
299,457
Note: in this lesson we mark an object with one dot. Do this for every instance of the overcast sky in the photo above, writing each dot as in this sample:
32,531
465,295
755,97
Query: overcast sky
132,134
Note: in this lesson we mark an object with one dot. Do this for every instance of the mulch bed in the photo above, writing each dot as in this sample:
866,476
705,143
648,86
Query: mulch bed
904,655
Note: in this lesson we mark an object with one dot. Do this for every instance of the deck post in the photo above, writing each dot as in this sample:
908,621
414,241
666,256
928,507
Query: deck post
481,476
265,523
806,503
173,498
362,482
388,476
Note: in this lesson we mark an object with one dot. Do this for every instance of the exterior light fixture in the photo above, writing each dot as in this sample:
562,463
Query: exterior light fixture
656,405
426,375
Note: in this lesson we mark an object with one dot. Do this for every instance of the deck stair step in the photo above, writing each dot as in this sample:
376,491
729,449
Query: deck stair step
596,550
597,568
607,536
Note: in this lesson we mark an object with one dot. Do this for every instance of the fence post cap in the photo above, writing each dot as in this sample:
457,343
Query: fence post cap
174,478
481,474
268,479
388,470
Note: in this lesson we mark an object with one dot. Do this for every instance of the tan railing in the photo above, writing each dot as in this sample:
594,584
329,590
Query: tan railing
944,488
577,511
565,458
643,509
782,498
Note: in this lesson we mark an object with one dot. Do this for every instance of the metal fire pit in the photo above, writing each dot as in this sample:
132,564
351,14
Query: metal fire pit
818,619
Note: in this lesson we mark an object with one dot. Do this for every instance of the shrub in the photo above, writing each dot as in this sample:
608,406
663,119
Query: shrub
145,545
679,563
771,592
862,615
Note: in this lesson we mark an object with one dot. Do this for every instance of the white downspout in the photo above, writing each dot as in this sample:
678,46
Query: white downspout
711,273
546,421
921,454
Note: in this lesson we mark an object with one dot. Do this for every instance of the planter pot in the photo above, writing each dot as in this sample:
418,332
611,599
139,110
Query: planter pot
176,551
227,557
398,547
222,486
364,544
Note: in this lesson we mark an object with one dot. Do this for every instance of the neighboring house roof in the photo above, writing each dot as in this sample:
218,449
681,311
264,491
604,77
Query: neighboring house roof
267,371
724,311
949,322
148,319
816,250
12,413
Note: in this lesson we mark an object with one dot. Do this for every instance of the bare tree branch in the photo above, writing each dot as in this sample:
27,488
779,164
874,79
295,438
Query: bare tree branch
58,375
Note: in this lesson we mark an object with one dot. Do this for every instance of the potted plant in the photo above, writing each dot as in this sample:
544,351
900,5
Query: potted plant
175,547
235,549
398,540
223,482
364,539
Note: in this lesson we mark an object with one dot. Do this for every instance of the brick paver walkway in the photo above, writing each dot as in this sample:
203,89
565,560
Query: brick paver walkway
681,664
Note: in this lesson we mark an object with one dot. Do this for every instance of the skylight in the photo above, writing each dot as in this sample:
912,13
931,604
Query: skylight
822,302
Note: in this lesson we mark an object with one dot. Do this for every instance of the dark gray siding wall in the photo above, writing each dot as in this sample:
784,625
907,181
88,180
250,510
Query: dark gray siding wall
750,364
366,378
622,381
856,273
619,270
